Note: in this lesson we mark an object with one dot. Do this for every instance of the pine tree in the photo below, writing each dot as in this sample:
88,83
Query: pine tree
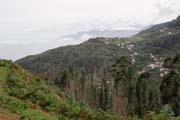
142,93
170,86
82,85
65,83
104,94
170,91
125,83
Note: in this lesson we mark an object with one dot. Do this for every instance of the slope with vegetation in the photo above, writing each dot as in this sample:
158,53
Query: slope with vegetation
25,96
135,84
159,40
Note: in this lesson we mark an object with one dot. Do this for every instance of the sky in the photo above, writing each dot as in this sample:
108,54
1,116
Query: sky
32,26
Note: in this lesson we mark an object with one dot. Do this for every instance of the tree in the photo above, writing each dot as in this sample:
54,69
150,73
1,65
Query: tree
64,82
104,94
142,93
170,91
125,84
170,86
82,85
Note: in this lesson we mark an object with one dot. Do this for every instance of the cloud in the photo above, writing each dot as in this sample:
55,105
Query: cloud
22,42
36,24
167,10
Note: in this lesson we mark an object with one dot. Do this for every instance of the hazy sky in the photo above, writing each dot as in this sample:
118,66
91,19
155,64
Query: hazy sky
31,26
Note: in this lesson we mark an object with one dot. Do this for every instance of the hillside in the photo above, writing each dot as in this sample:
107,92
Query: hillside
159,40
85,69
93,53
24,96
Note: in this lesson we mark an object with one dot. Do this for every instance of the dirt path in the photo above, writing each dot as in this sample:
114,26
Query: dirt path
4,117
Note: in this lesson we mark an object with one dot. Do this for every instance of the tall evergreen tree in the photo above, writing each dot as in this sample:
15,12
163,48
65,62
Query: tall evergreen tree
82,85
142,93
104,95
125,82
65,83
170,86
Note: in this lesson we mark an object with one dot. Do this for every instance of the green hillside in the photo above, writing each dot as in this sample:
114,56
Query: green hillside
88,70
24,96
93,53
160,40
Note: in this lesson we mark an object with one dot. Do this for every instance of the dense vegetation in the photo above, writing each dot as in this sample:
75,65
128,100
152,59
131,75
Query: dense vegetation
24,96
139,94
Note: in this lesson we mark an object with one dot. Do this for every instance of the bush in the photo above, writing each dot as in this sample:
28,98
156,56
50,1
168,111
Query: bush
45,100
12,103
5,63
102,115
61,117
168,110
30,114
166,113
73,110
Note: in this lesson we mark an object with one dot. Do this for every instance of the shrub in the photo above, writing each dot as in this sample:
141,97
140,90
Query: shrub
45,100
168,110
5,63
12,103
73,110
30,114
166,113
